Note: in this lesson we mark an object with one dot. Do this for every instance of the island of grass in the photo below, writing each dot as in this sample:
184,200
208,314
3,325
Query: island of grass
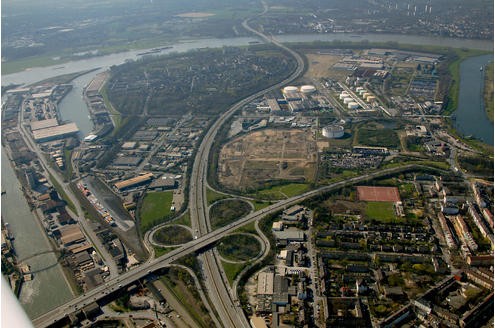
282,191
226,211
238,247
172,235
156,208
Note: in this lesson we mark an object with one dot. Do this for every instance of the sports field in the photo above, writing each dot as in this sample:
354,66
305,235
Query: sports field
378,194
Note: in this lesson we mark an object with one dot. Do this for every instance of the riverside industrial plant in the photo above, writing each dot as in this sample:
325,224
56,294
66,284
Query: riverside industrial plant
404,239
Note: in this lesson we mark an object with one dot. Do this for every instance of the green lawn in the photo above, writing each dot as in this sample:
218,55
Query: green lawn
227,211
172,235
155,209
213,196
238,247
260,205
185,219
381,211
159,251
284,191
232,270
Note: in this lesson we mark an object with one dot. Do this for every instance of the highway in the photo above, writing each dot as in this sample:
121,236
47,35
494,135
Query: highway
199,245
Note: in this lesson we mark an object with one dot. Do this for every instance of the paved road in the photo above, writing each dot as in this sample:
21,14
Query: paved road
87,229
200,244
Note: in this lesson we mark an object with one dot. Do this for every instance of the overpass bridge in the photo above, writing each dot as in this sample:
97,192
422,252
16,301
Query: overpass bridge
201,244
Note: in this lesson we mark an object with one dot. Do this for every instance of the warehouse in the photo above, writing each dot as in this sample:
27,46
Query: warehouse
70,234
43,124
163,183
133,182
55,132
127,161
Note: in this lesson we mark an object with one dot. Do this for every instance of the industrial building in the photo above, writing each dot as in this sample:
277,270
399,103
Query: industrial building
333,131
70,234
133,182
127,161
166,181
43,124
55,132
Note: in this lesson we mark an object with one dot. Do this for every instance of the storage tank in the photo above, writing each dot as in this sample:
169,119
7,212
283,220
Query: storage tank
290,89
353,105
333,131
370,98
343,95
307,89
348,100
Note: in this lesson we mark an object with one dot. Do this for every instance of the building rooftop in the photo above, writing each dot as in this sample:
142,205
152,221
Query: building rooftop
43,124
296,235
134,181
265,283
55,132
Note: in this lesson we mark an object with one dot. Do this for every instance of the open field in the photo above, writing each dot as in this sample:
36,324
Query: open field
238,247
227,211
378,194
181,284
321,66
259,158
155,208
173,235
232,269
380,211
282,192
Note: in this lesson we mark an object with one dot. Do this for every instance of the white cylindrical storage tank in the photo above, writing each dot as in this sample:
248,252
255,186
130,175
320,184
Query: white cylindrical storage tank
348,100
333,131
353,105
366,94
370,98
343,95
290,89
306,89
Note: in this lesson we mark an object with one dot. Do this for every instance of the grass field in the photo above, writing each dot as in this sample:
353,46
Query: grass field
225,212
185,219
182,286
281,192
238,247
155,209
232,270
248,228
173,235
213,196
159,251
380,211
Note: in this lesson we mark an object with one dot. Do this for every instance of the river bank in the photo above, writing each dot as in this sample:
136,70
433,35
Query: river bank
488,92
30,240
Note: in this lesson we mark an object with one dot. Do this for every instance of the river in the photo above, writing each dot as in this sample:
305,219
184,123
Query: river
471,118
49,287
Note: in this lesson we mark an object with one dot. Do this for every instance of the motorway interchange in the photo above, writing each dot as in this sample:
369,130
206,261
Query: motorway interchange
222,299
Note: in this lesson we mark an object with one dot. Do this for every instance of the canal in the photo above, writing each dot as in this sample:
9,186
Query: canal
471,118
49,287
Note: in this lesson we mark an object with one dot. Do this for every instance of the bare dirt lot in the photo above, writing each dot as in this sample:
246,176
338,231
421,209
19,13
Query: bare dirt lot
321,65
250,161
